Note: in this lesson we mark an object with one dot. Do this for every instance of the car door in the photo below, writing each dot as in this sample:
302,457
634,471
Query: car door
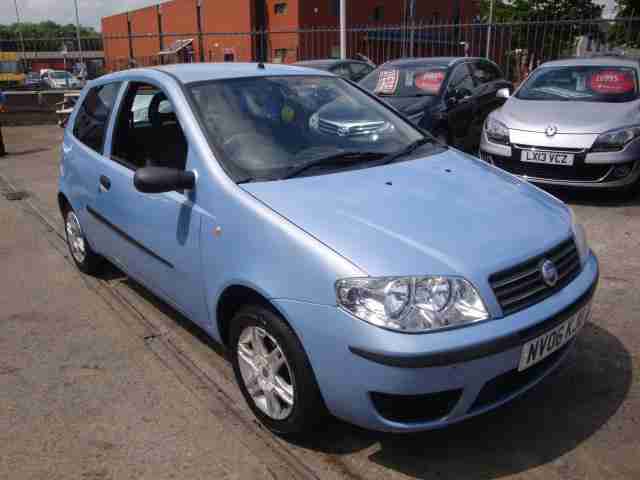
157,235
83,152
460,104
488,79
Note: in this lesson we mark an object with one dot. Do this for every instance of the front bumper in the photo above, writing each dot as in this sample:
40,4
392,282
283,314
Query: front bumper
360,368
601,164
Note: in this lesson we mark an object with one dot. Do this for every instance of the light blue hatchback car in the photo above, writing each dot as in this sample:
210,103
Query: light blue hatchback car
349,262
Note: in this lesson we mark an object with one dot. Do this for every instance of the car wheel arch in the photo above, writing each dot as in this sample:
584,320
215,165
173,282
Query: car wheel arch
63,203
232,299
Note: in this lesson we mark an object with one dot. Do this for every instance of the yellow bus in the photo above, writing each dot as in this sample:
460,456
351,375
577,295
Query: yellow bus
11,70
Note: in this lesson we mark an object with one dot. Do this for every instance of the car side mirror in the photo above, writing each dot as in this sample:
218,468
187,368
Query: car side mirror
162,179
503,93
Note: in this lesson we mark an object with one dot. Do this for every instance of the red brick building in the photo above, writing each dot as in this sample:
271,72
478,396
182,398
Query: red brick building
217,30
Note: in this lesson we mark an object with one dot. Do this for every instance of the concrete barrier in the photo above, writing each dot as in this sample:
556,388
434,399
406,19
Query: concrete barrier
32,108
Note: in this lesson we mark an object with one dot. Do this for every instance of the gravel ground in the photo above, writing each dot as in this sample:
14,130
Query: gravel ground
101,380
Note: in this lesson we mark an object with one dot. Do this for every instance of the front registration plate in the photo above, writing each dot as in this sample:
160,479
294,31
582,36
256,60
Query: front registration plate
546,157
541,347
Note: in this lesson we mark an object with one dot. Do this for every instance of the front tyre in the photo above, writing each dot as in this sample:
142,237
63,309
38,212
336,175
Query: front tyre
274,373
83,256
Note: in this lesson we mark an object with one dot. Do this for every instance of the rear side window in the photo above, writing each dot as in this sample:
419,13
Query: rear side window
93,116
486,73
461,78
360,70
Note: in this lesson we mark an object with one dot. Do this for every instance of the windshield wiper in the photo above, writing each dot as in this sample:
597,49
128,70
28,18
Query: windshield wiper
338,159
408,150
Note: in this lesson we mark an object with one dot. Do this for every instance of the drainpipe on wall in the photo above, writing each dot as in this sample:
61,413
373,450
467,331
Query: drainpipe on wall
200,39
160,36
131,59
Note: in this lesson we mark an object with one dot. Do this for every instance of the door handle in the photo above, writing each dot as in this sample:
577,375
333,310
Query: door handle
105,183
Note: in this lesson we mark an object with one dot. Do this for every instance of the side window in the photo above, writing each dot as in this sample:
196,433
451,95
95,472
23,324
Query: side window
342,70
93,116
360,70
148,132
486,73
461,78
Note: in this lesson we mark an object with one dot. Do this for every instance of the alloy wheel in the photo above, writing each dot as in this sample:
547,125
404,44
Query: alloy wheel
75,238
266,373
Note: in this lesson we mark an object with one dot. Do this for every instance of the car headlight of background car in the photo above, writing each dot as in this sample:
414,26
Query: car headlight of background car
412,304
496,131
580,237
615,140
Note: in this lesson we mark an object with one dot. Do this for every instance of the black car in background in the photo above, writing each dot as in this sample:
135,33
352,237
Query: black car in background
448,96
354,70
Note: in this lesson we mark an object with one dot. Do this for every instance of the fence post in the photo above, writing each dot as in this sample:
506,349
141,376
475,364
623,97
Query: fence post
491,5
343,29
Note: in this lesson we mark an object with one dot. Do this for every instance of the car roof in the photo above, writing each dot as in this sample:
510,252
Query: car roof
202,72
327,61
447,61
611,60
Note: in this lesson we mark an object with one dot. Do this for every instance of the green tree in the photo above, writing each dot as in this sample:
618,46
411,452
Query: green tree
626,33
505,10
46,36
628,8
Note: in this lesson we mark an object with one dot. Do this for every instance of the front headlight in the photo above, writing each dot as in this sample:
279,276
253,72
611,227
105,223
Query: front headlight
580,237
615,140
496,131
412,304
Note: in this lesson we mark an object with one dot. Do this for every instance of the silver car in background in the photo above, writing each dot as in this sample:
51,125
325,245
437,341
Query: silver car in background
572,122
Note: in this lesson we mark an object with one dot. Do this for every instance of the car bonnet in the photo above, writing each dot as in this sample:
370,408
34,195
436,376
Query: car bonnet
571,117
445,214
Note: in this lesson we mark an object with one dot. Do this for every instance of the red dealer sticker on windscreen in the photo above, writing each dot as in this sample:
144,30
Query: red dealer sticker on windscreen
387,81
612,82
430,81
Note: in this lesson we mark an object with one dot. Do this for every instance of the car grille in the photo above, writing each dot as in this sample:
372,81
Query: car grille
348,130
579,172
487,157
522,286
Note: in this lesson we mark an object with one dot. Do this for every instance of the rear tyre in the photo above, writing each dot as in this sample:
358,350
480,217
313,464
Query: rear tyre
83,256
274,373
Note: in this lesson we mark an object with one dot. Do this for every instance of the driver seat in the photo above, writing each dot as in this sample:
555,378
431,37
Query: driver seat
168,145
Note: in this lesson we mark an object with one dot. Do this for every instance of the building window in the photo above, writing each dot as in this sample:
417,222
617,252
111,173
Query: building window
378,14
280,8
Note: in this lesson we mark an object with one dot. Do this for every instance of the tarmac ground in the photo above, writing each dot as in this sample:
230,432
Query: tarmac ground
101,380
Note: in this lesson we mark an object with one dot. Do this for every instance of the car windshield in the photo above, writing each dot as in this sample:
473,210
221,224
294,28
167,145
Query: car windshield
269,127
60,75
413,81
581,84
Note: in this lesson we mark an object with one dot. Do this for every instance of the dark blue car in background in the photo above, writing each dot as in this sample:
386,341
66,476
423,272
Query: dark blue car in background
448,96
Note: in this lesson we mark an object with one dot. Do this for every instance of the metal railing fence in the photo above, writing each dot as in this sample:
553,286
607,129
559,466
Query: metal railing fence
517,45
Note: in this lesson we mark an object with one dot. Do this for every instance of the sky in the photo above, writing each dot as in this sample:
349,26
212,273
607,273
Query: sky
91,11
63,11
